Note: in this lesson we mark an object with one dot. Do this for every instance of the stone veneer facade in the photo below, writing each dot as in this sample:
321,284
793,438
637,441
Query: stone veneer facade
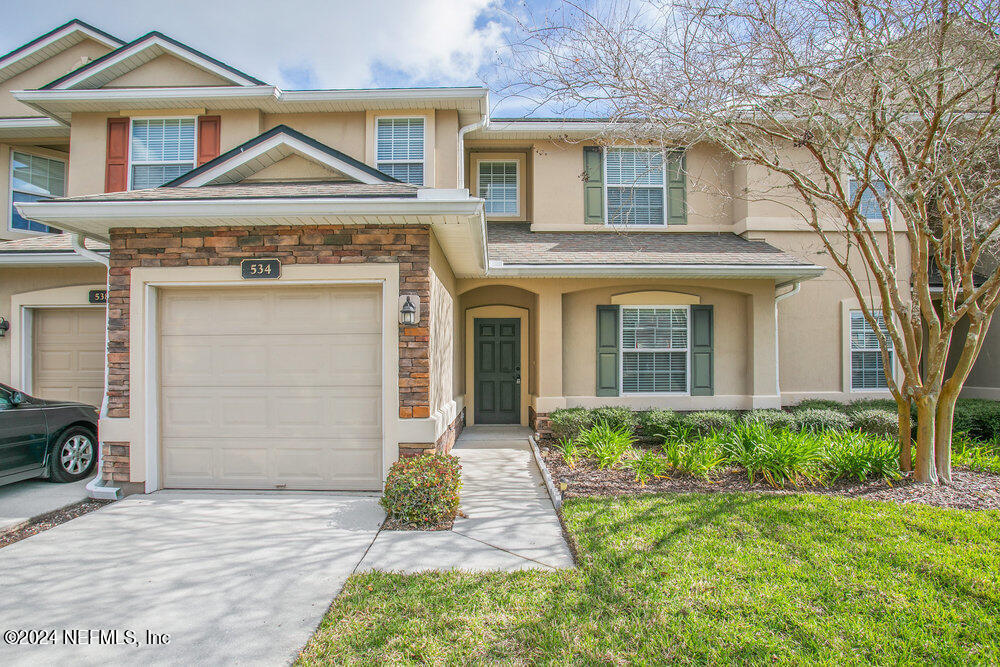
409,247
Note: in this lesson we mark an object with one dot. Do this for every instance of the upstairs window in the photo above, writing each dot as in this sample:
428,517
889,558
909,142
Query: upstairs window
654,349
867,370
161,149
34,178
498,182
399,148
635,184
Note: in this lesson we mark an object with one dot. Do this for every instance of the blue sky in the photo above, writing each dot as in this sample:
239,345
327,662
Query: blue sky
309,43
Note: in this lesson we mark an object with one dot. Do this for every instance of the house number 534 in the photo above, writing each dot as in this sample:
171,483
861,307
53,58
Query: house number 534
260,269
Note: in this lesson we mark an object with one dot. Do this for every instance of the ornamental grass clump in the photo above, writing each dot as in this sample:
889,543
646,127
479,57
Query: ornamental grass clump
697,456
422,491
780,457
983,456
605,443
647,466
860,455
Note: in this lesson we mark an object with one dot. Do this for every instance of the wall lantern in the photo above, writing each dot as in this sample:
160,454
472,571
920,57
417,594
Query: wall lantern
4,327
409,310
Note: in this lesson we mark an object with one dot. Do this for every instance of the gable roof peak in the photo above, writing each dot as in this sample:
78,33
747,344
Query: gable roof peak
140,51
51,43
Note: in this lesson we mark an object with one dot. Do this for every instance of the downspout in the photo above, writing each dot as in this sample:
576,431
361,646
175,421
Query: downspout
778,298
96,488
461,146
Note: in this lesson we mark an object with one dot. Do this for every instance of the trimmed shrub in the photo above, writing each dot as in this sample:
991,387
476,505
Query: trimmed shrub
820,404
773,419
978,417
606,443
615,417
569,422
423,490
656,423
865,404
816,420
703,423
880,423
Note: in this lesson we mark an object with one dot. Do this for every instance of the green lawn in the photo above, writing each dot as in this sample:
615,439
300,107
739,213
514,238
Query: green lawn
702,578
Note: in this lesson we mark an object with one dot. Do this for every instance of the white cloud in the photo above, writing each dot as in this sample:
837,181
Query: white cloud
328,44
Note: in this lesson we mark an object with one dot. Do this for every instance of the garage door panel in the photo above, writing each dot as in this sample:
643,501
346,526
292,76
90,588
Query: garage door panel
293,401
67,355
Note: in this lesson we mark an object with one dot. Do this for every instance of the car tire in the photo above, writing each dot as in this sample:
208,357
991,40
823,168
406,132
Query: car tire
73,456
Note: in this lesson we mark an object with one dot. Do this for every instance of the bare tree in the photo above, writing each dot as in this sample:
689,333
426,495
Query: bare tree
898,97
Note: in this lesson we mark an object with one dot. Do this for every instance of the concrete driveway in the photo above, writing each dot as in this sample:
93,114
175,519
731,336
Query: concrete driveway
23,501
231,577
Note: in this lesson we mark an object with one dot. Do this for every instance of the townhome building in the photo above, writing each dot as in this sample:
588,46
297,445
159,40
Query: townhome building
289,289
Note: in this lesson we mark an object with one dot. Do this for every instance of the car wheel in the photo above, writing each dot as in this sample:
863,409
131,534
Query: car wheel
74,455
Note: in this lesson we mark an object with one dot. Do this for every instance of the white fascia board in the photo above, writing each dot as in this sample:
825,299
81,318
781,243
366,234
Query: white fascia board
548,127
44,258
762,271
389,94
297,146
29,124
58,213
155,40
142,94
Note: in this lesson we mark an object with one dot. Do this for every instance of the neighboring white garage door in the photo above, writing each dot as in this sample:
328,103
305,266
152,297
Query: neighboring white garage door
67,356
265,387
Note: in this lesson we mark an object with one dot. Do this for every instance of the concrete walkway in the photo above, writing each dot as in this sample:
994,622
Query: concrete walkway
510,523
22,501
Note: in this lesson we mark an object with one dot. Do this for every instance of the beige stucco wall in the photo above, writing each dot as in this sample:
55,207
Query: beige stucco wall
44,72
16,280
166,71
343,131
442,329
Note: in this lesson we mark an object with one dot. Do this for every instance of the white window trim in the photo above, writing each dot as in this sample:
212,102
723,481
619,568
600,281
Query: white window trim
423,158
621,353
11,189
131,162
517,193
663,186
850,358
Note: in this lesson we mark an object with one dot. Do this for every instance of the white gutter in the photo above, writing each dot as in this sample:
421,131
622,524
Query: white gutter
36,258
762,271
461,143
778,298
97,488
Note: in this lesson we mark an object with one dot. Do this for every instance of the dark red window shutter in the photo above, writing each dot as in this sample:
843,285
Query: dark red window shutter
116,166
209,135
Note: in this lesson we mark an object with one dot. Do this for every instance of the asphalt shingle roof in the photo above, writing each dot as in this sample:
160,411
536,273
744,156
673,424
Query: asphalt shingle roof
515,243
244,190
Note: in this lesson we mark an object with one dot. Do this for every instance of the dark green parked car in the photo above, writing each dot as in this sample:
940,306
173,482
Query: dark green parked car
41,438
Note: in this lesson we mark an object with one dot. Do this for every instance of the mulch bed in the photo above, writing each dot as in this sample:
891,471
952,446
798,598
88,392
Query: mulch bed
50,520
968,491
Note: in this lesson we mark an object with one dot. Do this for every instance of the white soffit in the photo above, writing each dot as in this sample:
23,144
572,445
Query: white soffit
41,49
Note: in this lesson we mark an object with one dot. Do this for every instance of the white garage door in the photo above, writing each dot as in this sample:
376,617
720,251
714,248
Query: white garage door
67,356
271,388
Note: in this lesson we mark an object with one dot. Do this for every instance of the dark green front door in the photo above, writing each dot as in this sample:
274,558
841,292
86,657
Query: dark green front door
498,371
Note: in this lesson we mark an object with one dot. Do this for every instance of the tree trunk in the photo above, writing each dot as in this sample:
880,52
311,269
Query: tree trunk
924,470
942,433
905,435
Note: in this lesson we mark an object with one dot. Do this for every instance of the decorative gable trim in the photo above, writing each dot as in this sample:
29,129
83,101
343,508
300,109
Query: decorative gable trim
134,54
51,43
271,147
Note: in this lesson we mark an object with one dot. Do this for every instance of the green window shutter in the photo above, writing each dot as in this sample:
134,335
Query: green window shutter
676,189
593,187
607,350
702,353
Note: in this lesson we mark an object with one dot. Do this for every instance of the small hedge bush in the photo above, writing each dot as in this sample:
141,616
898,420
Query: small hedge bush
616,418
569,422
978,417
656,423
819,404
866,404
815,420
880,423
423,490
703,423
773,419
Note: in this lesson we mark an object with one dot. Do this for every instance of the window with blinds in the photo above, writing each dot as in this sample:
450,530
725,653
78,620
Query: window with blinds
867,371
399,148
635,181
869,204
161,149
34,178
654,349
498,186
